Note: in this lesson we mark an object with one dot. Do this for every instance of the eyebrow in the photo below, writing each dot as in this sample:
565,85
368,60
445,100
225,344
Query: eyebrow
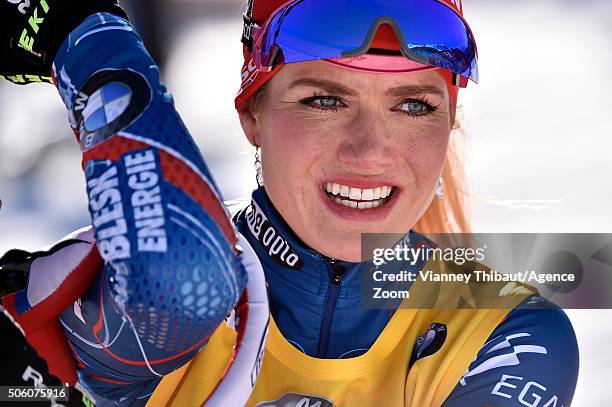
416,90
340,89
329,86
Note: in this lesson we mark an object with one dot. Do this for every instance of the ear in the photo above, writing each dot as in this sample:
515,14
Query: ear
250,126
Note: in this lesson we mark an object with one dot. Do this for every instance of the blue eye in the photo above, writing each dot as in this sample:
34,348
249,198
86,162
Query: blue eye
323,103
414,107
326,101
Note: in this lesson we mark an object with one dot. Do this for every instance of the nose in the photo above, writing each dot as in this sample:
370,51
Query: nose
365,146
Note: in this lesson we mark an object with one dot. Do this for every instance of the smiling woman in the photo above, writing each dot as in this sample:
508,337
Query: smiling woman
360,133
427,104
350,105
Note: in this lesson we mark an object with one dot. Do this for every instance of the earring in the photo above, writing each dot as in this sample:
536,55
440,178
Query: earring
258,171
440,189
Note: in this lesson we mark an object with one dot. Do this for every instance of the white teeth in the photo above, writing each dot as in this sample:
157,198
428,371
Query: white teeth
355,193
364,205
377,193
335,189
384,192
359,205
351,204
370,198
344,190
367,194
358,194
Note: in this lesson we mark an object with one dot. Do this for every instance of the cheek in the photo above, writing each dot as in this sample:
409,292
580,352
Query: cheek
425,152
291,147
296,140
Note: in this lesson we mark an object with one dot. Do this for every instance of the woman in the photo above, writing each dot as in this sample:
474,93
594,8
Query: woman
350,106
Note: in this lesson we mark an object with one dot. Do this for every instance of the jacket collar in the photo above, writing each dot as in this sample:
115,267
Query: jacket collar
282,252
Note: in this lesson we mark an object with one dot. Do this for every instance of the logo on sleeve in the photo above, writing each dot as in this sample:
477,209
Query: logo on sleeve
525,391
507,359
106,207
105,105
530,394
137,178
111,100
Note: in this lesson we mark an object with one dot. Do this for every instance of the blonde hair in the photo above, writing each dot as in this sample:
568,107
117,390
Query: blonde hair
448,214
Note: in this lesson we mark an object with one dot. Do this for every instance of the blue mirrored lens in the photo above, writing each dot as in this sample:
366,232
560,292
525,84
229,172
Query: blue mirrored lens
429,32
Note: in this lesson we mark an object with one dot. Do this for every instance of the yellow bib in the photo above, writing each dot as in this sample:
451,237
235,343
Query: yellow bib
381,376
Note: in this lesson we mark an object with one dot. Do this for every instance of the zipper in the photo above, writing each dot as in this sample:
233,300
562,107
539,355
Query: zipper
337,271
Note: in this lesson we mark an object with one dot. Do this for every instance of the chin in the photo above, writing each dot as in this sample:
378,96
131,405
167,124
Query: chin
346,246
342,240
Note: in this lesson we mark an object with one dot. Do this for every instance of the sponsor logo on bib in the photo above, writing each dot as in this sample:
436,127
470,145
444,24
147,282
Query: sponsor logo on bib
298,400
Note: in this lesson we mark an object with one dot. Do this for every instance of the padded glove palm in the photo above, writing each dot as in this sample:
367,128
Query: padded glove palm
55,278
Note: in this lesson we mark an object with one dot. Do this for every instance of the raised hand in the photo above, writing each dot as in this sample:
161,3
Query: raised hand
31,32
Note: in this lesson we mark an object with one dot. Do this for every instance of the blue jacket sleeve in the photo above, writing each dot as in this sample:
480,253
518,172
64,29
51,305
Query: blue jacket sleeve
171,270
531,359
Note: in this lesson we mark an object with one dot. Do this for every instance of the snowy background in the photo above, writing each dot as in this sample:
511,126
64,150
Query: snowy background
538,125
